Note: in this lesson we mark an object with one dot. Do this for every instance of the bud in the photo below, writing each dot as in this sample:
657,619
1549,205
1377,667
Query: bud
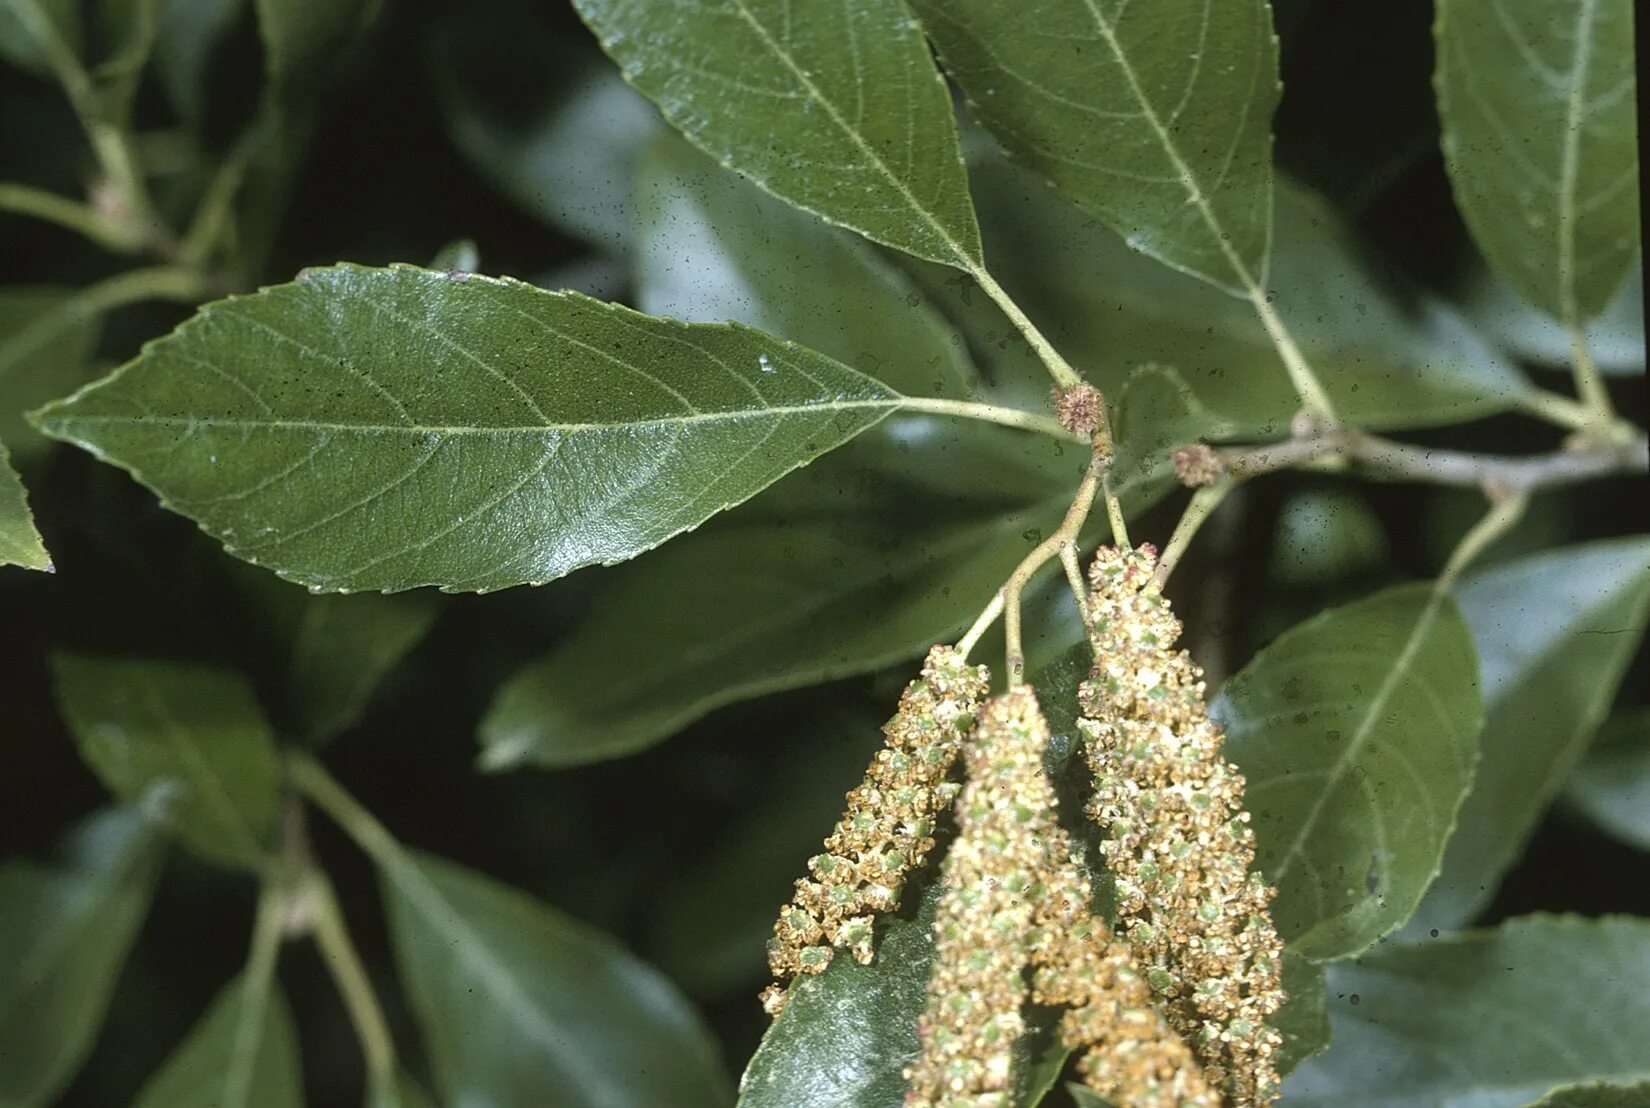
1180,846
887,828
1080,408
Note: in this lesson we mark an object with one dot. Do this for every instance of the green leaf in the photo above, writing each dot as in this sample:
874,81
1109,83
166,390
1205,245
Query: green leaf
64,934
1357,731
1537,103
1548,683
569,156
1612,786
189,34
837,109
1304,1018
1324,536
1155,119
1597,1095
823,592
187,741
1387,360
712,247
242,1054
332,652
1487,1019
389,428
47,338
20,542
1615,338
303,38
521,1005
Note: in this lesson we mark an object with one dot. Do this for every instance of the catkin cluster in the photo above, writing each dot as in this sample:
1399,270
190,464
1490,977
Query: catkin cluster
887,828
1178,841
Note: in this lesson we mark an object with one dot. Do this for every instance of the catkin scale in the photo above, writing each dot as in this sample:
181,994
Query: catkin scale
1178,845
886,829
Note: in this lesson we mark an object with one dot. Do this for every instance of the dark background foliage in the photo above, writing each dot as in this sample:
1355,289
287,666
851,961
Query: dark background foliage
632,845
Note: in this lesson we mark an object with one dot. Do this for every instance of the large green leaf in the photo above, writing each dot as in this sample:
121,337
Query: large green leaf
388,428
1386,359
1548,683
20,542
1304,1018
522,1006
64,934
188,740
1615,338
813,601
1537,103
1156,118
1612,786
331,652
1487,1019
836,108
712,247
47,337
1357,731
242,1054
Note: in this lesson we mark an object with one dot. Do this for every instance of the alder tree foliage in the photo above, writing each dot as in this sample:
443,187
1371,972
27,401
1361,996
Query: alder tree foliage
1208,433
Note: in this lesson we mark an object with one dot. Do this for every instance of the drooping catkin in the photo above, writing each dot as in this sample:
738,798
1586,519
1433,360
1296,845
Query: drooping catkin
886,829
992,878
1178,839
1128,1053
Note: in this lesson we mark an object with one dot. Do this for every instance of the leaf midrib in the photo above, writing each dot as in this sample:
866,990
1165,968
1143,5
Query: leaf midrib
1360,738
1194,191
892,401
1570,167
964,260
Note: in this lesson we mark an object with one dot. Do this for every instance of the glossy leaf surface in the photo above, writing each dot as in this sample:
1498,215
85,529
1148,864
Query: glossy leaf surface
1156,118
388,428
836,108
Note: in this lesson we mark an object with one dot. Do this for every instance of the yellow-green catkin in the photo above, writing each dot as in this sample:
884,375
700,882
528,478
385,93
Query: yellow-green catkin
983,931
1178,841
887,828
1129,1053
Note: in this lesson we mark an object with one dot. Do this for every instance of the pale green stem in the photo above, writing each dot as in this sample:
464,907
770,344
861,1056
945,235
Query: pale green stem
1501,517
317,784
216,208
331,934
1555,408
256,979
1114,514
1074,580
72,214
1058,367
1589,382
1202,505
1307,386
982,624
990,413
161,282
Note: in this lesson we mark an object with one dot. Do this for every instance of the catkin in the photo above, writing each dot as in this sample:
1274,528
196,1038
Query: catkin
983,924
887,828
1178,841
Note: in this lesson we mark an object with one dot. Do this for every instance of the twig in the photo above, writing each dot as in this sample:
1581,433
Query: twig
1204,501
1385,459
